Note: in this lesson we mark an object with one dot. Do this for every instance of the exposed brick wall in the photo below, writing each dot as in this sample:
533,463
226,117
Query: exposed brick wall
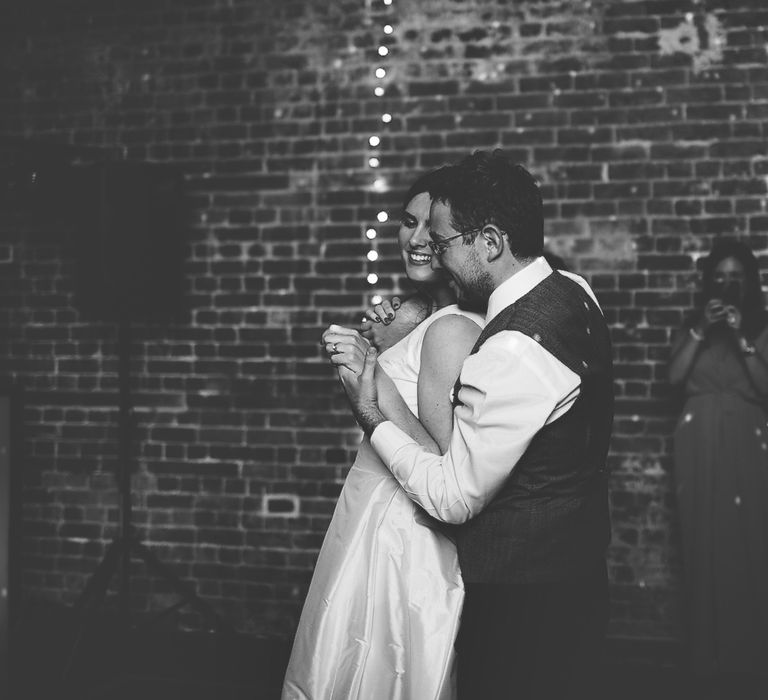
645,122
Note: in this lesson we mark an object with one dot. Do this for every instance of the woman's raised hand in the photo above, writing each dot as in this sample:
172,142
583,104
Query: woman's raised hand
715,311
381,325
733,317
383,312
396,319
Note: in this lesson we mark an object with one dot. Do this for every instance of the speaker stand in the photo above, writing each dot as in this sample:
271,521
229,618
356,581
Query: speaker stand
127,544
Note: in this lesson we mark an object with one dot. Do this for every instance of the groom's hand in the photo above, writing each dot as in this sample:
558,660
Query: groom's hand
355,360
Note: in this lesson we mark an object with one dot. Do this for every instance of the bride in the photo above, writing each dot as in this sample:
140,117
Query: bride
380,618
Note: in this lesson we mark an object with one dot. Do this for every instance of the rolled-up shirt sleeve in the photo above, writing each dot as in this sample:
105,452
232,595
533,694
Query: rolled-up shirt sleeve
510,389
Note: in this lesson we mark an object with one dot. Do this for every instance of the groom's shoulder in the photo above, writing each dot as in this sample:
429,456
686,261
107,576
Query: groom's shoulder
578,279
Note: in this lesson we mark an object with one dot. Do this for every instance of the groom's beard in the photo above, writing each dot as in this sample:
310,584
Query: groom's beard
473,293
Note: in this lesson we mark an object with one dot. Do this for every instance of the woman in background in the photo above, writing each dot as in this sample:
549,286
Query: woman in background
381,615
720,361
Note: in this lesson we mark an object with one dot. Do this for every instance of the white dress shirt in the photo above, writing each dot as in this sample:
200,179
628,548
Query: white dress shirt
511,388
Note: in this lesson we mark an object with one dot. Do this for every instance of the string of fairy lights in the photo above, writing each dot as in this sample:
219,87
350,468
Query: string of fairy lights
374,160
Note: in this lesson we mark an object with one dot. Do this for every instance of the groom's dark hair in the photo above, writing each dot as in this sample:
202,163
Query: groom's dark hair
488,187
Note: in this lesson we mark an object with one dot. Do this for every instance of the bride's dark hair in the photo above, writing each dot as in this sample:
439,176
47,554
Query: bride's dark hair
426,183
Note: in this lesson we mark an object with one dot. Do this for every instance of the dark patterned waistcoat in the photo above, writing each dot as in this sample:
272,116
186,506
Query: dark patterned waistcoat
549,522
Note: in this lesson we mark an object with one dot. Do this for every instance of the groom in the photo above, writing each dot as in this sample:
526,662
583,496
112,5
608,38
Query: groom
524,476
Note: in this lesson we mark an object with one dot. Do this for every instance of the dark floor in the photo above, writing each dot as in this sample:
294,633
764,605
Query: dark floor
54,656
163,664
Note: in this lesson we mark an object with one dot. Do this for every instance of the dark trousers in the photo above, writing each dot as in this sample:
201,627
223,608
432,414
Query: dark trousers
532,641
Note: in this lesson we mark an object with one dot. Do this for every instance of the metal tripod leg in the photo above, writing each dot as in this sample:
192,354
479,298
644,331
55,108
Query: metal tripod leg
188,594
93,594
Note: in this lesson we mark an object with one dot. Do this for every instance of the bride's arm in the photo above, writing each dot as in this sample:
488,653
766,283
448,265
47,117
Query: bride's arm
446,345
394,408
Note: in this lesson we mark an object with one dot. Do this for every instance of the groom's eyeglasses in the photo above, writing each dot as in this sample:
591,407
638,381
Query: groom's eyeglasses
440,246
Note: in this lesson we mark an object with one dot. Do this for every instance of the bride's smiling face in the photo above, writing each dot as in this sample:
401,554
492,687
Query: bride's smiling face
413,236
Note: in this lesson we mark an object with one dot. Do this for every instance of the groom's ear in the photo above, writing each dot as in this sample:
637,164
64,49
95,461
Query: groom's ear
493,241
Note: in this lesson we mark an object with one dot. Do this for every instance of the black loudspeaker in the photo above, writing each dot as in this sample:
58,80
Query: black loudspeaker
130,254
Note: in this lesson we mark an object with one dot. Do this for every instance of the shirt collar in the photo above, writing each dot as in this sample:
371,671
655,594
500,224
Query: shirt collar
522,282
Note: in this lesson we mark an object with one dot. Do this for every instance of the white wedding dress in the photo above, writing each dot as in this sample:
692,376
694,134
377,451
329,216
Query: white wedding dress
382,611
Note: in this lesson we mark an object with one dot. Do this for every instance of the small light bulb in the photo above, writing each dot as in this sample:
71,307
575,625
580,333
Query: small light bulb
388,29
689,17
387,2
373,162
376,299
372,255
382,216
370,234
383,50
380,73
379,91
372,278
386,118
374,141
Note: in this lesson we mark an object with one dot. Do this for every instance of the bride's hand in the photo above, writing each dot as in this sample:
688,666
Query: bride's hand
375,326
383,335
345,348
383,312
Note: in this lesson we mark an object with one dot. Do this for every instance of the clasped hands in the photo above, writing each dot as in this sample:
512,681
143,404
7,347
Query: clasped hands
355,353
349,349
355,359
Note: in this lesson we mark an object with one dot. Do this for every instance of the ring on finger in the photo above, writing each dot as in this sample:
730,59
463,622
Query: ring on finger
334,350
